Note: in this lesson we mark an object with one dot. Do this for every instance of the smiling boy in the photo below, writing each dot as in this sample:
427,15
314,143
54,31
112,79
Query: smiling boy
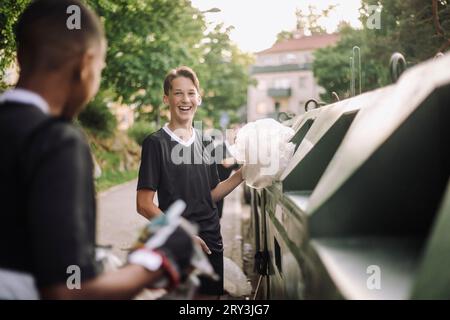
195,183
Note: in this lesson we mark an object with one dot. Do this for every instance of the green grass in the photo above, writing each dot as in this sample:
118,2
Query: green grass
109,162
110,178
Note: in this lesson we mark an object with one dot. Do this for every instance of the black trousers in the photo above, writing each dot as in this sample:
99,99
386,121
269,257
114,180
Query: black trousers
209,286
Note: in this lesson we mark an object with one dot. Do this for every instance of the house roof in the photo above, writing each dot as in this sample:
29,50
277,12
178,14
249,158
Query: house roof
303,43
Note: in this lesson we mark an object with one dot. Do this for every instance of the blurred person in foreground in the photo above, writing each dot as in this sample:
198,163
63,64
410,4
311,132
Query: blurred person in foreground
47,193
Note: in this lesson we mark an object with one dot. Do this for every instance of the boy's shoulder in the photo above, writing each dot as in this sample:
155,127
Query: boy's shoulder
58,134
12,113
35,126
155,137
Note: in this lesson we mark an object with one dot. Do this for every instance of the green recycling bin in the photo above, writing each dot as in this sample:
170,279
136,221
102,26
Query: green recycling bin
362,210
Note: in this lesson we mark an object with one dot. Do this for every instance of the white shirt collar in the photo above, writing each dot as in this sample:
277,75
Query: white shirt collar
177,139
25,97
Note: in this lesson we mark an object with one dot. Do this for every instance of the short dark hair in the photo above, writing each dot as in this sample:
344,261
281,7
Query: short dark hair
182,71
43,38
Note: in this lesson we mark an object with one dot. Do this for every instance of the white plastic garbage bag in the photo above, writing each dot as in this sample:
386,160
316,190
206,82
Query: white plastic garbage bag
234,280
263,147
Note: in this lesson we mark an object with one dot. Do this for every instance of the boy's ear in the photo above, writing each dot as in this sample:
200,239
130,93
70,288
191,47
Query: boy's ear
166,100
86,61
81,67
77,70
199,101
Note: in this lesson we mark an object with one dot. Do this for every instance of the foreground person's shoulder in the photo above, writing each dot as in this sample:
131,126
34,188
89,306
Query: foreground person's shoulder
57,133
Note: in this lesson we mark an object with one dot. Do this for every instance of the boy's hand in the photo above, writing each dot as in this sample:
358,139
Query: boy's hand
228,162
173,256
241,172
202,244
179,248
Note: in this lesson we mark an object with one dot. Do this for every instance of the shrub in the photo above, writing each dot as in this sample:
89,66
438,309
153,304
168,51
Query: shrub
140,130
98,119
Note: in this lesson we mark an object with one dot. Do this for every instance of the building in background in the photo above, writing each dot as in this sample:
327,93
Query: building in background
284,76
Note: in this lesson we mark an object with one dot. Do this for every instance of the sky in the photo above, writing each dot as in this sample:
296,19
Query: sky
257,22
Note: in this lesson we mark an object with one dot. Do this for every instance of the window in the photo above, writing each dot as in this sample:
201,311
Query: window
281,83
288,58
303,82
267,60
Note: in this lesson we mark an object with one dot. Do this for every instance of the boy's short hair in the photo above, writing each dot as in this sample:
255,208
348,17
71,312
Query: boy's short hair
182,71
44,39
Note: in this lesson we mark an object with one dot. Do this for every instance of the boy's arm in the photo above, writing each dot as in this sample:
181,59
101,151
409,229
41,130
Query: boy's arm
145,205
225,187
171,259
124,283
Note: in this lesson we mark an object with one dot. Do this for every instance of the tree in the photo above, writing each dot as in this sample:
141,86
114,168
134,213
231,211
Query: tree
9,13
146,39
310,21
331,65
407,26
284,35
224,75
307,23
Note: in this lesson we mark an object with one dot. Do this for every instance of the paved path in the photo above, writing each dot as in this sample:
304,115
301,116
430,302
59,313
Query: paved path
118,223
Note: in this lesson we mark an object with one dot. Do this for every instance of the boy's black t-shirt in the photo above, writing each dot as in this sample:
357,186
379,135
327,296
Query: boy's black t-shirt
178,171
224,172
48,212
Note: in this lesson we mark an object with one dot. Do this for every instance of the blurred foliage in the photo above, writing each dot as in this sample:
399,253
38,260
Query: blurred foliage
406,26
307,22
331,65
9,12
145,40
148,38
117,156
97,118
111,178
110,162
224,76
141,129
